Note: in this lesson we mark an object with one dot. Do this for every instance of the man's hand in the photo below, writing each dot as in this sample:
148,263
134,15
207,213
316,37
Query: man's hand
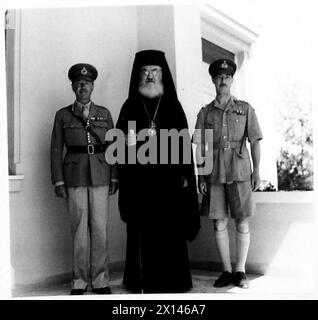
113,186
60,191
184,182
203,187
255,180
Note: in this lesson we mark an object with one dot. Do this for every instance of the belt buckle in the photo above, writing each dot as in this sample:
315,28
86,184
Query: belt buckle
226,145
90,149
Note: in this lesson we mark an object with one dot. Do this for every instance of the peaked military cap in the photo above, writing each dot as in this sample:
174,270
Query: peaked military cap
222,66
81,71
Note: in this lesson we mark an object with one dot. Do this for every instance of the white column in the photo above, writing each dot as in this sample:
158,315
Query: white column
5,284
155,30
240,86
188,56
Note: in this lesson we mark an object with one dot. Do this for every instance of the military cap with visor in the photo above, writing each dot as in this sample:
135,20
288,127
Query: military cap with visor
82,71
222,66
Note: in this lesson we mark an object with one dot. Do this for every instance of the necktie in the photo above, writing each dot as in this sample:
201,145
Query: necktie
85,111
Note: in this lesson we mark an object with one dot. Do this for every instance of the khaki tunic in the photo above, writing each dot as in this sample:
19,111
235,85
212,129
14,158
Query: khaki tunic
80,169
231,126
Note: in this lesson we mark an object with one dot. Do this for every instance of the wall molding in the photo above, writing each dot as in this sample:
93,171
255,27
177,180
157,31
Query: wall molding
16,183
226,32
284,197
280,197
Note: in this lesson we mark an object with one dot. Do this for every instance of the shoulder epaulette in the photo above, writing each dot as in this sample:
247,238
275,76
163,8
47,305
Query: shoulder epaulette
101,107
205,107
242,102
65,108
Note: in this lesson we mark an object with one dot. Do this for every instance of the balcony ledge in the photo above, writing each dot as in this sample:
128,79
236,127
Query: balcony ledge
15,183
281,197
284,197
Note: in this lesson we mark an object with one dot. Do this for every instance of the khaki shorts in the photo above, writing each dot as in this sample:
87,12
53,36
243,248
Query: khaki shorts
235,199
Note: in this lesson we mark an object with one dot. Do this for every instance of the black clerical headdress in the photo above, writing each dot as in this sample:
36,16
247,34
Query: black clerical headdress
152,57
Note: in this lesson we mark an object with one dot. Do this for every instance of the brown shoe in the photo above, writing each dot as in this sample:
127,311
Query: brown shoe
240,280
224,280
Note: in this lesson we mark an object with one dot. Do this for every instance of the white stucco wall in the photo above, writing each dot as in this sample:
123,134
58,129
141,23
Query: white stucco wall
51,41
5,269
188,55
155,31
282,236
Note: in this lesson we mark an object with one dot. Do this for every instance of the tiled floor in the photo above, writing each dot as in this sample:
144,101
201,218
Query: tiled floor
261,287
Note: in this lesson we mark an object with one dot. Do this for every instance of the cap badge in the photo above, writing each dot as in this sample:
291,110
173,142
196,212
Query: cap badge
83,71
224,65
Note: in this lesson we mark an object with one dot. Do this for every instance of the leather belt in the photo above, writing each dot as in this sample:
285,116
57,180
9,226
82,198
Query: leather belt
227,145
89,149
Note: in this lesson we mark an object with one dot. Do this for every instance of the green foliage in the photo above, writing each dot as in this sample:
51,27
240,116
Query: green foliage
293,172
266,186
294,165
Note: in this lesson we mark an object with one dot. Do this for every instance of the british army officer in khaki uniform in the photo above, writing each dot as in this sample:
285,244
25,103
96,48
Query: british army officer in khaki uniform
85,179
228,188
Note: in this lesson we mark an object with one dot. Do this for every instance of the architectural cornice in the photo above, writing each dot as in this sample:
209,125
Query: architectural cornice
224,31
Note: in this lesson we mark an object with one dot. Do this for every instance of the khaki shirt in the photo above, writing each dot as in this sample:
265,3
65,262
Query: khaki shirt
231,125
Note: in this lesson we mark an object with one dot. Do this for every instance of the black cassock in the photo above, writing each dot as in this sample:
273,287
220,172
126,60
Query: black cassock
160,214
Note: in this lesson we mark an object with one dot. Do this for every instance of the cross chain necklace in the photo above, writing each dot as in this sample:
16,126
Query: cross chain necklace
152,131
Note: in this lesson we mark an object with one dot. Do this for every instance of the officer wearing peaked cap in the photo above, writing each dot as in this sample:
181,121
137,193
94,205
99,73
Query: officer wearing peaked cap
227,188
82,71
84,178
222,66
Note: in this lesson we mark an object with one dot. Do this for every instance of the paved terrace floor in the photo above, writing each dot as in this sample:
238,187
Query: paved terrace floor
300,286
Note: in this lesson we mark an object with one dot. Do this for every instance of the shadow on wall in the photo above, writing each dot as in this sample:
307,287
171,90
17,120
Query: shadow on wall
41,243
281,240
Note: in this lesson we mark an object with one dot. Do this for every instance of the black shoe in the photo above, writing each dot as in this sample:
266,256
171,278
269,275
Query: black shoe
105,290
133,290
224,280
77,292
240,280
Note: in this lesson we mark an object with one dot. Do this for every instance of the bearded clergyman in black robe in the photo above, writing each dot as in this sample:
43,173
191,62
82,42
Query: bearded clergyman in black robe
157,199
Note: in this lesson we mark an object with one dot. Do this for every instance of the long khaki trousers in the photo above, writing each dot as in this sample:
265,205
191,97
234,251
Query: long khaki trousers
88,210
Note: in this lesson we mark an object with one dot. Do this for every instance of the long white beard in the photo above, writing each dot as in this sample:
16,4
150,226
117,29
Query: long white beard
151,89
